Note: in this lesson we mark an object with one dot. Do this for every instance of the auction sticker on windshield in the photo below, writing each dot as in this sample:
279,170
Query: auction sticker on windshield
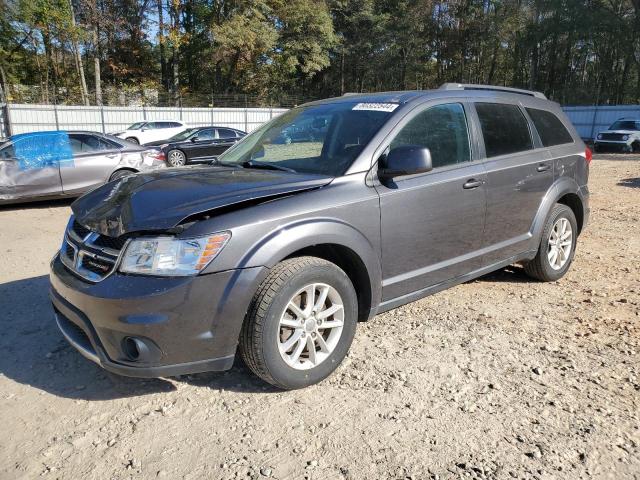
376,107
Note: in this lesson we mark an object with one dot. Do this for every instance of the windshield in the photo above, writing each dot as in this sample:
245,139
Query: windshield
183,135
321,139
136,126
625,125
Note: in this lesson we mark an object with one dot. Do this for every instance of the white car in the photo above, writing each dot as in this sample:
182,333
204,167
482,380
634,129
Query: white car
152,131
622,136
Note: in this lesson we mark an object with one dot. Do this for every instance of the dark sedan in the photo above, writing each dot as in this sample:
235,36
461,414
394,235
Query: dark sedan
199,144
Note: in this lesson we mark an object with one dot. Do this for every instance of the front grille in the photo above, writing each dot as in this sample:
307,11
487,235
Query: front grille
109,242
98,266
90,255
80,230
612,136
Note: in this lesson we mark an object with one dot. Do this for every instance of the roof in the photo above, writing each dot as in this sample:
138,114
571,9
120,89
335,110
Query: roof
446,90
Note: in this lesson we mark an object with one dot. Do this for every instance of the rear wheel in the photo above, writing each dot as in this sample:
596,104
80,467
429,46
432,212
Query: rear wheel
300,324
176,158
557,246
132,140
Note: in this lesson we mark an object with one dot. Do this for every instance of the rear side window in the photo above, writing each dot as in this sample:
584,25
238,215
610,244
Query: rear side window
504,128
443,130
226,133
551,130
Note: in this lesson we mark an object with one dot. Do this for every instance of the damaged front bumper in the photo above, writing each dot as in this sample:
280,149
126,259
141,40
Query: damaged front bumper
144,326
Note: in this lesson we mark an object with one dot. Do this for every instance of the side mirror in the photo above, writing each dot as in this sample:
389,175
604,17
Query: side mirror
406,160
195,139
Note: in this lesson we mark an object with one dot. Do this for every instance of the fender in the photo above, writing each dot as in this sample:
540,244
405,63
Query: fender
290,238
560,187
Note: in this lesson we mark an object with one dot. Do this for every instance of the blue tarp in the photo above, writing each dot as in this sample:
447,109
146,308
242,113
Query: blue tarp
42,149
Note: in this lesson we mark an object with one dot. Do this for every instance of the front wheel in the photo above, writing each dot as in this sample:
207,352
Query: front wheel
300,324
557,246
133,140
176,158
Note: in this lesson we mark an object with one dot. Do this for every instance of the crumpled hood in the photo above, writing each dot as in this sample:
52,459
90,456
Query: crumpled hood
161,200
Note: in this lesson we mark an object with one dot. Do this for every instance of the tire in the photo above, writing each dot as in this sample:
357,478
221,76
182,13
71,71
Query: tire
176,158
133,140
635,147
541,267
118,174
263,337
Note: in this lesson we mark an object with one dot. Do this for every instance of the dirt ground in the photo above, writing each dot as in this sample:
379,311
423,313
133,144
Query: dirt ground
497,378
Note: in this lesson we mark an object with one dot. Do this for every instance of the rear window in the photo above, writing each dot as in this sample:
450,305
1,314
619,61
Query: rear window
504,128
551,130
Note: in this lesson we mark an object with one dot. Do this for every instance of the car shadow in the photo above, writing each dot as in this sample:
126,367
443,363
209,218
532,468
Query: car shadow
510,274
34,353
630,182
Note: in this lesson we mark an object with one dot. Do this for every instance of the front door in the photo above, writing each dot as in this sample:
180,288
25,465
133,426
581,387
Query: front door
201,144
432,223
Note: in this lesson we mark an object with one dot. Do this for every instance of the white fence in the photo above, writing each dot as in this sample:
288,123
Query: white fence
20,118
591,120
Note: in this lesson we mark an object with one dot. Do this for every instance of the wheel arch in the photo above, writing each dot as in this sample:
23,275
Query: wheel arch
565,191
334,241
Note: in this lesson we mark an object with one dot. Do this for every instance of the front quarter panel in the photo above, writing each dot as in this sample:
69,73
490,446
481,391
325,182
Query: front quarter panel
345,212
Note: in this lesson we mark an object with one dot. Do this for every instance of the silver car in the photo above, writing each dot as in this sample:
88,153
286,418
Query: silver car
42,165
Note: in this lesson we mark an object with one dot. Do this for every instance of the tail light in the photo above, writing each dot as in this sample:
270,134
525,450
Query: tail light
157,155
588,155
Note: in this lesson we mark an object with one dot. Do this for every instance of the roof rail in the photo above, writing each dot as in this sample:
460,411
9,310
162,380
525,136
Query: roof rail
469,86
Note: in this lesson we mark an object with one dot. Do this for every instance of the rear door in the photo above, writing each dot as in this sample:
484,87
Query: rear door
94,159
519,174
30,165
225,138
432,223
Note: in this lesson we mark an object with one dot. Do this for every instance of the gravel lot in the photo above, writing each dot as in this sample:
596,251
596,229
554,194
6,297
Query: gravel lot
497,378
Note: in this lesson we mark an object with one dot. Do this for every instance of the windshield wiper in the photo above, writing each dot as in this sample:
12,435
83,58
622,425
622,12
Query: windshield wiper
266,165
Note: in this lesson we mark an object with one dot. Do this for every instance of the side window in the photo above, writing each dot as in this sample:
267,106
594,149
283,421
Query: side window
174,125
226,133
443,130
151,125
84,143
550,128
504,129
206,134
7,152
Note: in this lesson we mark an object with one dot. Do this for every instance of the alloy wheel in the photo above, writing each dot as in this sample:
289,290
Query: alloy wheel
560,243
310,326
176,158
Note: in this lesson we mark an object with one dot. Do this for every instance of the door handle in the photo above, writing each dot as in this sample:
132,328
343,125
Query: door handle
543,167
472,183
112,155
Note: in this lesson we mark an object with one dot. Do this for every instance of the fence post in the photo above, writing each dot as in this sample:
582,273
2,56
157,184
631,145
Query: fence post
246,114
102,118
593,121
55,114
7,121
144,112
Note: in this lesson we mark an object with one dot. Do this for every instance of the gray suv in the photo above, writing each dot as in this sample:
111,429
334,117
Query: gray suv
280,248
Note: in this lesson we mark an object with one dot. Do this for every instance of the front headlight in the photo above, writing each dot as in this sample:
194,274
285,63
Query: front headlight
625,137
599,136
168,256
